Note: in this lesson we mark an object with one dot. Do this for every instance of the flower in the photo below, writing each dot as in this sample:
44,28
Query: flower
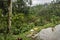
32,30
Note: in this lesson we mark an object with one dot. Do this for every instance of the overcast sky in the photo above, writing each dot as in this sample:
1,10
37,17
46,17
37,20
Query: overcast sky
34,2
41,1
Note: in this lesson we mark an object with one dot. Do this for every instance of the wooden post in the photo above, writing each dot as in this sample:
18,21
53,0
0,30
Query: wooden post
9,15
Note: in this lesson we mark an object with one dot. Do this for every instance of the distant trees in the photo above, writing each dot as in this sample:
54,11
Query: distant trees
20,7
57,1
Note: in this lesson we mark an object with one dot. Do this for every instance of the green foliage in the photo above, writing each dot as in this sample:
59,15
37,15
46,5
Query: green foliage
8,37
38,16
24,19
3,6
20,7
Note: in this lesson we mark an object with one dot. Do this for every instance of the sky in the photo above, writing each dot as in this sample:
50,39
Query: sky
34,2
41,1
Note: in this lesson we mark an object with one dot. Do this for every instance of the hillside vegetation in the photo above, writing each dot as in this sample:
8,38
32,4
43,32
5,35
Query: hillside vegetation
27,18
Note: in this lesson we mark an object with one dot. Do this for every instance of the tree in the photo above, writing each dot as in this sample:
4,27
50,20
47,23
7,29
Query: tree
29,2
4,5
20,7
9,15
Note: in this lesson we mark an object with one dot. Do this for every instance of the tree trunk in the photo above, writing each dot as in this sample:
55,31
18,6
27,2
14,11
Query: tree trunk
9,15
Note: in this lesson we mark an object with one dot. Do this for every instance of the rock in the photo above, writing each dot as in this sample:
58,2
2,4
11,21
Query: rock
45,33
48,34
